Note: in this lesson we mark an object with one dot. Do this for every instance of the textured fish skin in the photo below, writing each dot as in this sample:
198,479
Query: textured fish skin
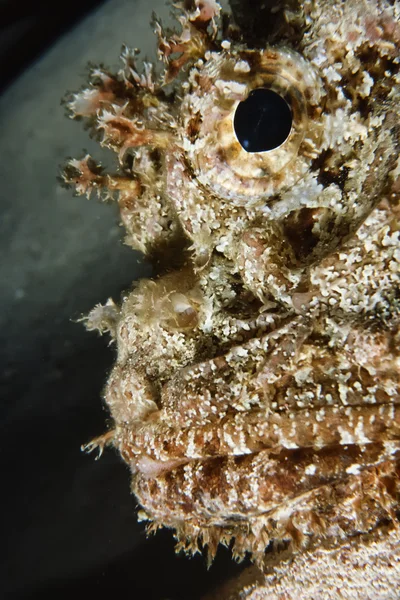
366,566
255,393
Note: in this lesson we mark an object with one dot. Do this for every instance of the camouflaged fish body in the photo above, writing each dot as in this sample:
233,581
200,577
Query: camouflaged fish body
255,392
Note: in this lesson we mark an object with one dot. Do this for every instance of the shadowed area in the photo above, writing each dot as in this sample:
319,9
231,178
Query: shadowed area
28,28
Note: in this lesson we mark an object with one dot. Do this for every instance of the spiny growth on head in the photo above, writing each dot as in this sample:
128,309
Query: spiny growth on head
137,110
255,393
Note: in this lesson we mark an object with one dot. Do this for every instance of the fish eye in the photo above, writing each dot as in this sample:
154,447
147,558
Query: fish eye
263,121
256,130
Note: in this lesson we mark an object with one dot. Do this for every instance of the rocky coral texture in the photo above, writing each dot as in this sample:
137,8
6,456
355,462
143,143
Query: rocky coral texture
255,394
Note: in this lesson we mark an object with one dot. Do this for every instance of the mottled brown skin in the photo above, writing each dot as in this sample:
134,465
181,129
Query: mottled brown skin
364,567
255,393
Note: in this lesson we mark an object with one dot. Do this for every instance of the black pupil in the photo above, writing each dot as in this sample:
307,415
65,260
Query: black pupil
263,121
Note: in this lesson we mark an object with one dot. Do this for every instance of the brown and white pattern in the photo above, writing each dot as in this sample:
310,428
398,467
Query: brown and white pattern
255,394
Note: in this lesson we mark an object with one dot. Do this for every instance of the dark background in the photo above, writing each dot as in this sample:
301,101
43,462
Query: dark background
68,522
27,28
